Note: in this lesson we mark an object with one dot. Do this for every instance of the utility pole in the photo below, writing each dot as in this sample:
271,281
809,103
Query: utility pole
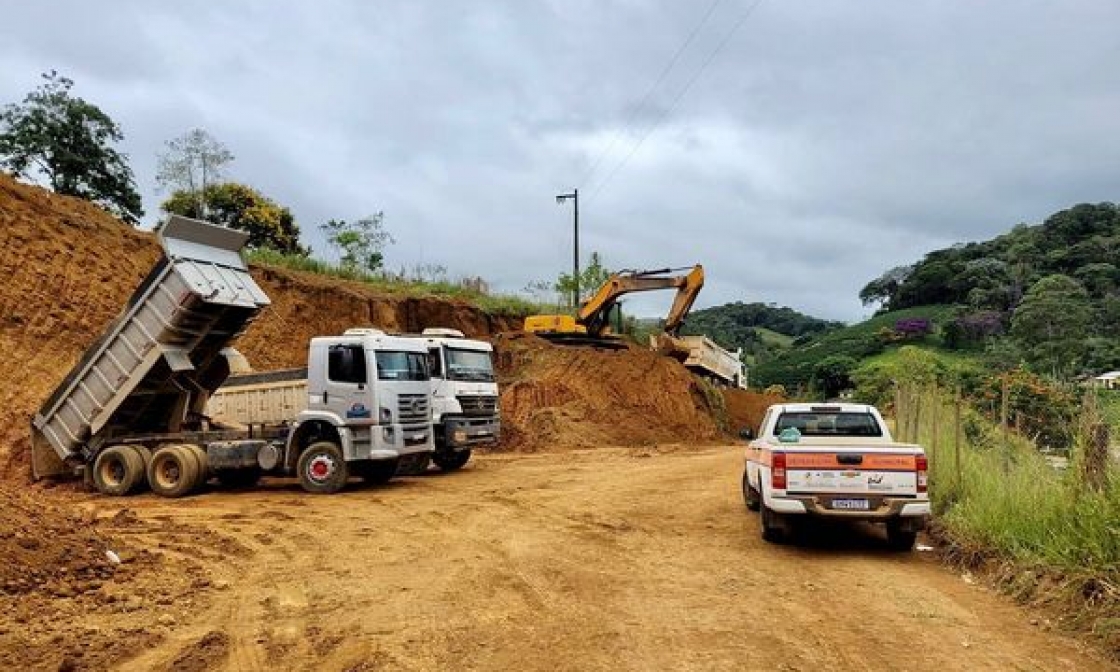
574,197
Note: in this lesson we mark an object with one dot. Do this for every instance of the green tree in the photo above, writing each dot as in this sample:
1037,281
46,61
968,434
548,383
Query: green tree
69,142
239,206
591,277
1051,323
191,163
360,243
832,375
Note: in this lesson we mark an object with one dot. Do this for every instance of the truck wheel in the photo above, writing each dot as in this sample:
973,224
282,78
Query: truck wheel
118,470
451,460
377,472
239,478
772,529
750,495
202,462
173,471
900,538
322,469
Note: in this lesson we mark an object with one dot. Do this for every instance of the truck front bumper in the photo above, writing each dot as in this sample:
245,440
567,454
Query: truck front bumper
461,433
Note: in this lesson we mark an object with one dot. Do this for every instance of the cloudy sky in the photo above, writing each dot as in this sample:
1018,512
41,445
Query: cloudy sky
795,148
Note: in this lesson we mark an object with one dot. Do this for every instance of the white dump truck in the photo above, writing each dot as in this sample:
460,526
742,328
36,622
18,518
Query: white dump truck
704,357
834,461
463,395
131,411
465,405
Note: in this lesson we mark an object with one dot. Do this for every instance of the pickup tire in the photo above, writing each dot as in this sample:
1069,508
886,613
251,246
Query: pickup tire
173,471
118,470
772,529
451,460
750,495
322,469
900,538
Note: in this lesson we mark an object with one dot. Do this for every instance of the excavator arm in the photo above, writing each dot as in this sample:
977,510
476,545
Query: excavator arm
595,314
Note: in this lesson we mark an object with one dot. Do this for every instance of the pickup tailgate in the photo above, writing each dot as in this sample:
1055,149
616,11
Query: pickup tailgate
883,471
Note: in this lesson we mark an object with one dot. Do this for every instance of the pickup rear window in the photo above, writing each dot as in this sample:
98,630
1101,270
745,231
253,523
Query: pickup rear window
829,424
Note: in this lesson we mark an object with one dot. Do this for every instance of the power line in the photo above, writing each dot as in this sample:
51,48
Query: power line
633,116
676,100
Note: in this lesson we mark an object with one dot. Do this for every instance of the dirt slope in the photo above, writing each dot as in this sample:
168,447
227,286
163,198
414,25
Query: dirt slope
599,560
576,396
745,408
68,268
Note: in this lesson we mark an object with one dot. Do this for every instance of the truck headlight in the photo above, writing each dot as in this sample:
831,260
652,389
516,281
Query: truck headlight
386,416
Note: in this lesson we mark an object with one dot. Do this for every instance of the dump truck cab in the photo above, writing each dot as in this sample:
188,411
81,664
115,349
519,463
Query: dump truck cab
464,394
369,391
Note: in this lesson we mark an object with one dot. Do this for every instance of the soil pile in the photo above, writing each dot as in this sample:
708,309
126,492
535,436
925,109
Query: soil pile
557,396
69,267
745,408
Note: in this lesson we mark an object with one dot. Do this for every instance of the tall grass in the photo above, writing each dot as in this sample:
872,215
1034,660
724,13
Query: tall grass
996,496
494,304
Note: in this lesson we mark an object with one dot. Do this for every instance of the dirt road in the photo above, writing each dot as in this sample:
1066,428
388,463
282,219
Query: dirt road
605,560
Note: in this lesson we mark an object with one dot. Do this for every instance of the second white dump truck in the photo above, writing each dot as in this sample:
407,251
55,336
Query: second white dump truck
131,411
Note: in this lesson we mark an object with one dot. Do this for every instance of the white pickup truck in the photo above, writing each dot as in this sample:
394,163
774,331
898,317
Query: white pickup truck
834,461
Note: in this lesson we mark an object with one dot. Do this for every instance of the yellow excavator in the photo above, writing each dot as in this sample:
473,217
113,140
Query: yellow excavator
592,324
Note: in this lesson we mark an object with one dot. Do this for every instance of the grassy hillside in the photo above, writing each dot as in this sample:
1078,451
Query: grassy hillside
761,330
795,367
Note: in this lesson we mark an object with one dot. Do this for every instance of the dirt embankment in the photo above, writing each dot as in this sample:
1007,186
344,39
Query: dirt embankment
573,396
745,408
69,267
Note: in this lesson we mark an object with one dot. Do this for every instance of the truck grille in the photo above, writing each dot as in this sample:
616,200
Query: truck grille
413,409
478,404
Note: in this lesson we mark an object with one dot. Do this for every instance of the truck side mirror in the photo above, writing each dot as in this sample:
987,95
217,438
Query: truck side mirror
746,434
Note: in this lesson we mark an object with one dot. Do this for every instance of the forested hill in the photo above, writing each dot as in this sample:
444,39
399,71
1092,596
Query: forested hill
1082,243
758,328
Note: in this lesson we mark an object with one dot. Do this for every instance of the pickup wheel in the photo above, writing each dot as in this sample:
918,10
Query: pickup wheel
173,471
118,470
900,538
451,460
772,529
322,469
750,495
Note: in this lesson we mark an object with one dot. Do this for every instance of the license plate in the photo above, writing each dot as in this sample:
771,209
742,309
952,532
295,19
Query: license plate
851,504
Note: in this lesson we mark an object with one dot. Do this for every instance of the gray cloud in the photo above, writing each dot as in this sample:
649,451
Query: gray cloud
825,143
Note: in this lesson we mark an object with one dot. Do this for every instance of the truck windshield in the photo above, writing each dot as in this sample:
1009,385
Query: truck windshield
469,365
829,424
395,365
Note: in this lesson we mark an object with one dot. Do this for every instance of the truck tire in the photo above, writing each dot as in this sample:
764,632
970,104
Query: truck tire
900,538
751,496
118,470
772,529
201,461
450,460
377,472
322,469
173,471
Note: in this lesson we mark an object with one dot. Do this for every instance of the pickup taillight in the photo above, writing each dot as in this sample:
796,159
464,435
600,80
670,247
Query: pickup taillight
921,464
778,471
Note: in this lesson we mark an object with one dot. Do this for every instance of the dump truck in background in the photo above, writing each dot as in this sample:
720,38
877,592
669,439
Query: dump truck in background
704,357
463,395
131,411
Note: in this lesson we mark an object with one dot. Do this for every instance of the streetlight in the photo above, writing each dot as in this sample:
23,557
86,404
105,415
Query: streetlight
574,197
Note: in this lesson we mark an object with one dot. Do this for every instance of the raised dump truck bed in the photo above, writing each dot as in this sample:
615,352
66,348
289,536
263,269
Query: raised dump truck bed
158,361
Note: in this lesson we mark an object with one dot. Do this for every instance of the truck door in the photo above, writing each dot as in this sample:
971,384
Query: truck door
347,391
